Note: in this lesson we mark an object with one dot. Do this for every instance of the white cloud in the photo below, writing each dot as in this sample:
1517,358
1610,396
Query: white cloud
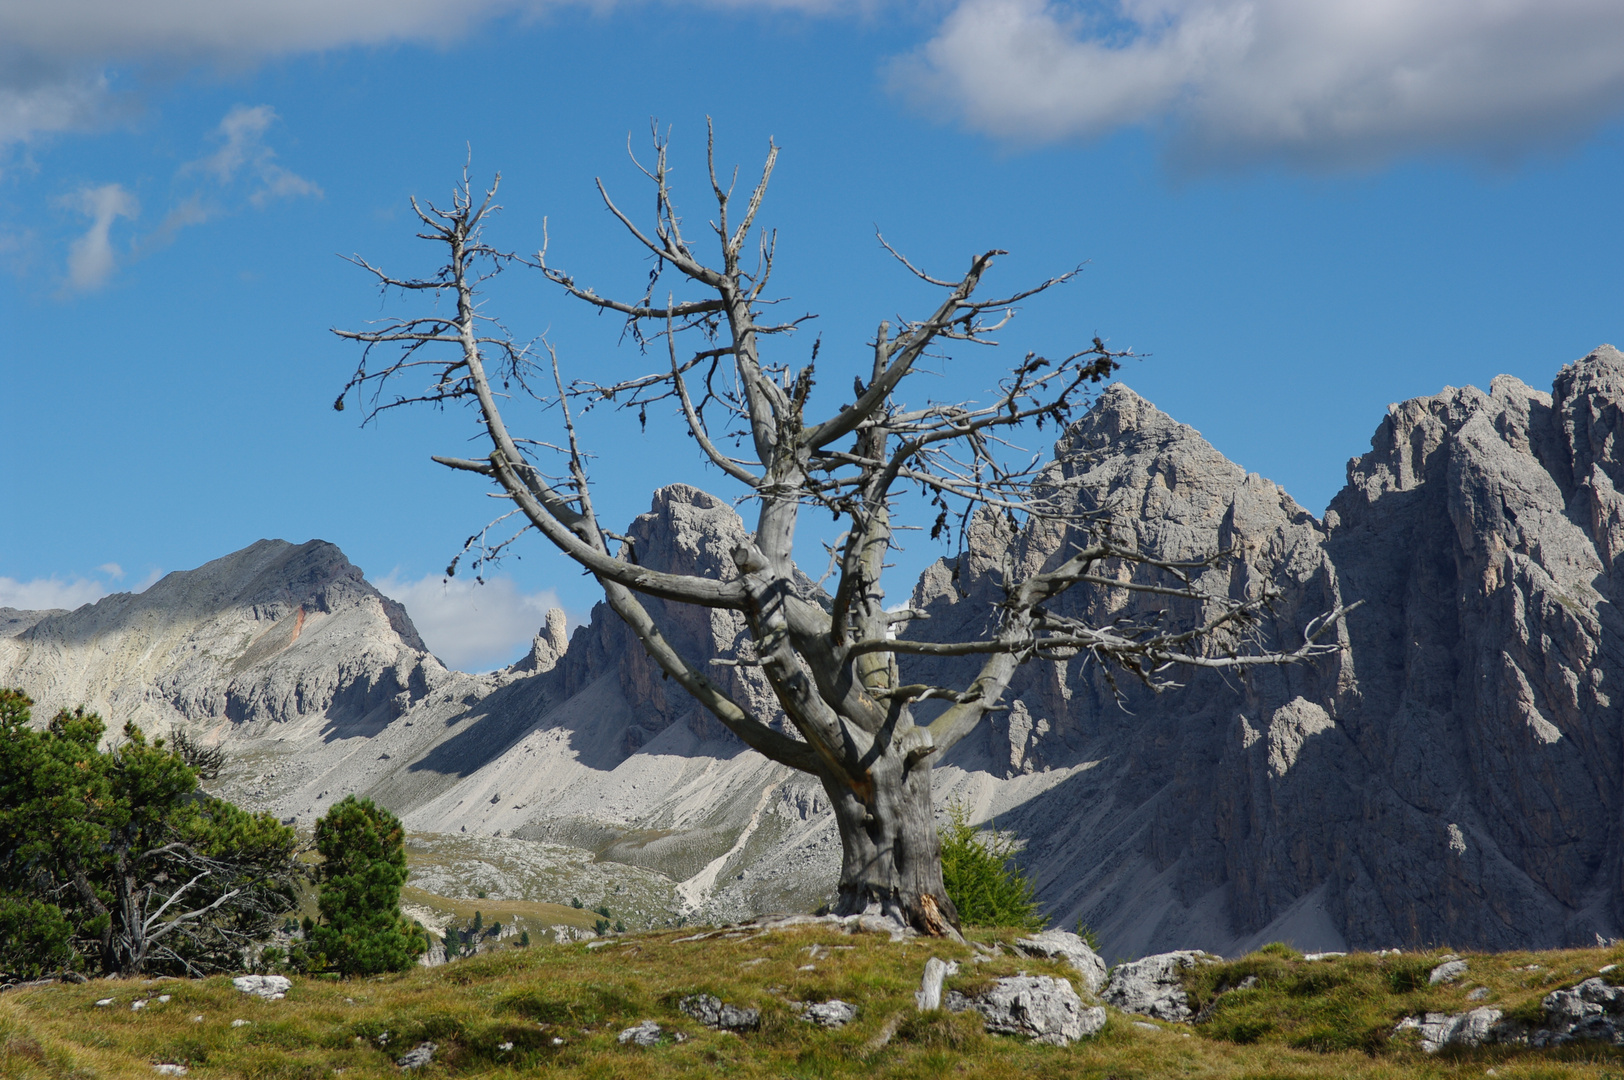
469,626
91,258
1324,84
1321,83
44,593
40,594
243,149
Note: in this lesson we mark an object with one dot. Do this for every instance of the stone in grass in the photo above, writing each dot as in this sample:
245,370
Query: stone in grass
1439,1030
1447,972
169,1068
1045,1009
418,1056
1154,986
269,987
830,1014
645,1034
714,1013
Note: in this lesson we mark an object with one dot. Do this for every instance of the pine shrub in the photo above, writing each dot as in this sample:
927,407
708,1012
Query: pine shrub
361,931
982,878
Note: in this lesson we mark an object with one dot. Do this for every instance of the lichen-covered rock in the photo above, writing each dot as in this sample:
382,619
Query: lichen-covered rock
1154,986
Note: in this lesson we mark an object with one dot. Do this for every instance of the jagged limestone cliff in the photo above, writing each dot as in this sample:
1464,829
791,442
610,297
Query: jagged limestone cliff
1452,776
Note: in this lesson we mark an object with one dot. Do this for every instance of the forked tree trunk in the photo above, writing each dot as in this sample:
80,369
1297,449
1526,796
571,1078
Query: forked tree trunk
891,855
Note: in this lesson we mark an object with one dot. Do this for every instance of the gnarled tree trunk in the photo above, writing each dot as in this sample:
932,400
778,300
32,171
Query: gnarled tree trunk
891,862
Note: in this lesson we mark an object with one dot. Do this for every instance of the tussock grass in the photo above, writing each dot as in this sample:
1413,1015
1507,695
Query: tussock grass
499,1014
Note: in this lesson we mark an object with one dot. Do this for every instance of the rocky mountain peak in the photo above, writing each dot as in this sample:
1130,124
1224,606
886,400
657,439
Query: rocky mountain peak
273,632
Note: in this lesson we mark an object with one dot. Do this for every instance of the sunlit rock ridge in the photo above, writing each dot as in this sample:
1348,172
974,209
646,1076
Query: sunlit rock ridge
1452,776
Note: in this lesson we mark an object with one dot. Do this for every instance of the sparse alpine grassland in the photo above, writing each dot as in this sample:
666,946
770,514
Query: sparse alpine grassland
560,1010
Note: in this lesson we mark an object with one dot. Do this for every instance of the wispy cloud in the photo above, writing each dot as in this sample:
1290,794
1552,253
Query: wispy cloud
91,257
242,171
469,626
243,152
1328,84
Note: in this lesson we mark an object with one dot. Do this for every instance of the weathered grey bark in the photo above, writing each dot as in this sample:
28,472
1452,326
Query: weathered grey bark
830,657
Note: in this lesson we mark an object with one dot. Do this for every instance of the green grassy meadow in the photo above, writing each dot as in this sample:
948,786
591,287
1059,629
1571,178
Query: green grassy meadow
556,1010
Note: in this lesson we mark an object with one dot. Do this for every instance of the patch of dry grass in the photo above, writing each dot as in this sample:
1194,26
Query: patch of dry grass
557,1009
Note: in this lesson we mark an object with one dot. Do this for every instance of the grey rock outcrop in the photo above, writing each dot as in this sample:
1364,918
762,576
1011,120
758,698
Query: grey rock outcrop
1468,1029
1064,945
647,1033
833,1013
1592,1011
713,1012
1045,1009
1154,986
269,987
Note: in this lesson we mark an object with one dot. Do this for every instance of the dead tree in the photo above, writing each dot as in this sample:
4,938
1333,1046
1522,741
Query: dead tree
829,655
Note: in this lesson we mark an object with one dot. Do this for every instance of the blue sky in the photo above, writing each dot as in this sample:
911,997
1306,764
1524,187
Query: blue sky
1298,212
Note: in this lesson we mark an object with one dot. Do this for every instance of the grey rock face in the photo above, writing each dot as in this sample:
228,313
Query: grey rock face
714,1013
1154,985
1074,950
1453,775
1045,1009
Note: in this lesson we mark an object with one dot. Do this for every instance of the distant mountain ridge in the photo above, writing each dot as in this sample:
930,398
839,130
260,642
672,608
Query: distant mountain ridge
1452,776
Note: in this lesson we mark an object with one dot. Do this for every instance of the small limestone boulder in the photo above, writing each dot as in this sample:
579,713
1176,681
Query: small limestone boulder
830,1014
1439,1030
269,987
645,1034
418,1056
1064,945
714,1013
1045,1009
1154,986
1447,972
